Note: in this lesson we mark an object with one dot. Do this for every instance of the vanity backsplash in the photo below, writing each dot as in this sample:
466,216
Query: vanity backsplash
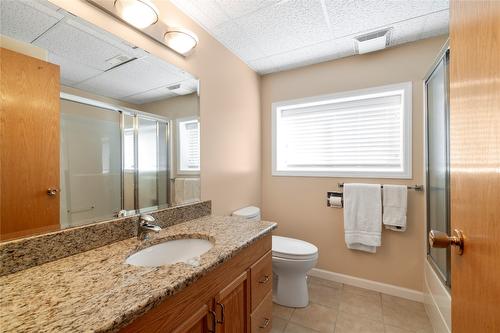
19,254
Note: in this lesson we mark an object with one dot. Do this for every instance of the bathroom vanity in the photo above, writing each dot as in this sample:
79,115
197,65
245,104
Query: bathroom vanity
235,297
227,289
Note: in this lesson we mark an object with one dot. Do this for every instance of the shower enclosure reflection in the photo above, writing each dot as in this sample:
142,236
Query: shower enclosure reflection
116,161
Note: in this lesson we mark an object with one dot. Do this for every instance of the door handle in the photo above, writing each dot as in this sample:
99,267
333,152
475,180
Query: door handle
221,321
214,321
439,239
266,323
52,191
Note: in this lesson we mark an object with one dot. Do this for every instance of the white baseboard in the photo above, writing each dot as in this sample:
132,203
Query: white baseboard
385,288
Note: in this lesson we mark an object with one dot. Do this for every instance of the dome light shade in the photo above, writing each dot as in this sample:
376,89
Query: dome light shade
139,13
180,40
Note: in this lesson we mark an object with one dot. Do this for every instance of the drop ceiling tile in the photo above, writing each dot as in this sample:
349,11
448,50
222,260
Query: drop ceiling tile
207,13
237,8
407,31
105,36
72,40
236,40
357,16
286,25
128,79
436,24
72,73
152,95
26,20
314,54
160,93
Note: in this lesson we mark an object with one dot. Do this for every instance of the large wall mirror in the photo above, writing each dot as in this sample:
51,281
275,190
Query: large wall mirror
93,127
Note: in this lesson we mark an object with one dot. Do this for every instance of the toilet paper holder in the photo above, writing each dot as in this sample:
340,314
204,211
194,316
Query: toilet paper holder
335,194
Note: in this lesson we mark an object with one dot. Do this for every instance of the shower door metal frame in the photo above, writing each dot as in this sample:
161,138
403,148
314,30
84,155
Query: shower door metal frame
443,56
158,119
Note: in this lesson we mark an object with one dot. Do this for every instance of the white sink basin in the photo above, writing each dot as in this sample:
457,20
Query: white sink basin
170,252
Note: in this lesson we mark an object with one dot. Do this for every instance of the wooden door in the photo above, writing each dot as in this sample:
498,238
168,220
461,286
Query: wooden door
199,322
232,306
29,145
475,164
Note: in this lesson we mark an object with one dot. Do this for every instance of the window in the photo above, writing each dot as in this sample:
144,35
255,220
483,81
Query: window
362,133
188,145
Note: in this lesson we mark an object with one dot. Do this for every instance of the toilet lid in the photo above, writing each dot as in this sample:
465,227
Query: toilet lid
291,248
247,212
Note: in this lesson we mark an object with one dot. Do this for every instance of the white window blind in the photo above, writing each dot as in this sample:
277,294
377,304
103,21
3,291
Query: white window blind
362,133
189,145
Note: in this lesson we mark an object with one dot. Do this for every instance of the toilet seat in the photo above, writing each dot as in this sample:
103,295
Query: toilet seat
293,249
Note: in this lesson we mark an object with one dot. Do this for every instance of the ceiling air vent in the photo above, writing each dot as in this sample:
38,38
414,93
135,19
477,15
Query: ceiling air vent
119,60
179,90
373,41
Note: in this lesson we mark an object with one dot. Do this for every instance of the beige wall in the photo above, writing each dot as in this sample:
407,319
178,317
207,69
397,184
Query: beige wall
174,107
229,100
298,204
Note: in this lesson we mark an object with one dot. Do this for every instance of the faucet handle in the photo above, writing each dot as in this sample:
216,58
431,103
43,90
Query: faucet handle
147,218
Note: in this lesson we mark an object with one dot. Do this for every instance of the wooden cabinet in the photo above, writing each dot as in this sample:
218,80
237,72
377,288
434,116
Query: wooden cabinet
199,322
262,279
262,316
232,306
234,298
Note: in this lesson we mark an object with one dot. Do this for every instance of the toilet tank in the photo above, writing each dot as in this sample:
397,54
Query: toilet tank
250,213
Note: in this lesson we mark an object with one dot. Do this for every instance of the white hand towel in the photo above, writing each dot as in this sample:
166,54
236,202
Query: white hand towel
179,190
395,198
362,216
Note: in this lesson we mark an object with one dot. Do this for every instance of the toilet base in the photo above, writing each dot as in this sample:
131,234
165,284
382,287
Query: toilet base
299,298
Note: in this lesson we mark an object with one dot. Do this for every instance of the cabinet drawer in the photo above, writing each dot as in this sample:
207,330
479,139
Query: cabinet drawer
261,278
261,319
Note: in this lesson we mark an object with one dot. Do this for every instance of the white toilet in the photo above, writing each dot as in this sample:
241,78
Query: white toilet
292,259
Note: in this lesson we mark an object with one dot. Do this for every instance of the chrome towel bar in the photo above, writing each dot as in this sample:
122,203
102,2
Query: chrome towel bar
410,187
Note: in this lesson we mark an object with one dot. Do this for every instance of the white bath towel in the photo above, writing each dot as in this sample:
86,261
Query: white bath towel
395,198
362,216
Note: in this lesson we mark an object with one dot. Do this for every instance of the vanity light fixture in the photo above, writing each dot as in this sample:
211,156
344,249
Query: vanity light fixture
139,13
180,40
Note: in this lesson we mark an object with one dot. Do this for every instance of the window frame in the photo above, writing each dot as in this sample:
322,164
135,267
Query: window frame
178,122
405,173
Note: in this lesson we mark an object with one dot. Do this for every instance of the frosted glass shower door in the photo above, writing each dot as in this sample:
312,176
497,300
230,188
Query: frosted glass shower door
148,163
438,206
90,163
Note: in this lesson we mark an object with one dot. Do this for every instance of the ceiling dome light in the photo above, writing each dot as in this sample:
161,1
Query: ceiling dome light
139,13
180,40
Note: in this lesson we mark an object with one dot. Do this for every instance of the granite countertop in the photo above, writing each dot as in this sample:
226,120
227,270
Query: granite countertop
97,291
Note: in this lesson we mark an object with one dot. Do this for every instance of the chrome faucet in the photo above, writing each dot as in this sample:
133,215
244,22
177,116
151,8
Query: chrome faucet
144,227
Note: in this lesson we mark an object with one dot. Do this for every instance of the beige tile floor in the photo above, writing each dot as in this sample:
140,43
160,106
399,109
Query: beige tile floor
338,308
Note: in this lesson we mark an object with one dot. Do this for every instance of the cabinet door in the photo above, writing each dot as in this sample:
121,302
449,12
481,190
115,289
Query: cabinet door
232,306
202,321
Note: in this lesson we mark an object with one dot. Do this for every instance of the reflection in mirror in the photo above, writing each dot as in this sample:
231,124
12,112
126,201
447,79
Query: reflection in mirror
124,125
